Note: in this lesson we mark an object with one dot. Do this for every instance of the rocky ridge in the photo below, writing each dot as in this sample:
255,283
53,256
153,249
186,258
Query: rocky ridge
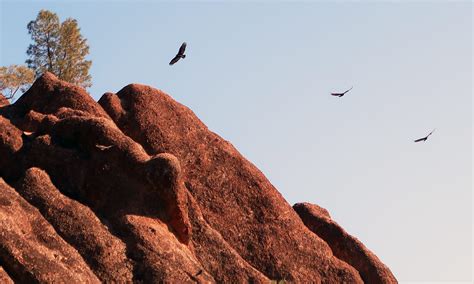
135,188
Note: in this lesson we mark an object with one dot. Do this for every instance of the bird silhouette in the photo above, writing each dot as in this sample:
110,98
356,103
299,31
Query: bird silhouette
341,94
179,55
425,138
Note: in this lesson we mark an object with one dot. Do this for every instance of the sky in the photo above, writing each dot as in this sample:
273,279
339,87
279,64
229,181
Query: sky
259,74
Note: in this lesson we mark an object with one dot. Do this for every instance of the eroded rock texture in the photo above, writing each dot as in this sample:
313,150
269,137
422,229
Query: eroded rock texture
135,188
4,278
343,245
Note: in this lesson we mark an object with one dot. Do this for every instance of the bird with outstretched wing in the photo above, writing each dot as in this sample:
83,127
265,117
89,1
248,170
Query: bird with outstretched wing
179,55
103,147
426,137
341,94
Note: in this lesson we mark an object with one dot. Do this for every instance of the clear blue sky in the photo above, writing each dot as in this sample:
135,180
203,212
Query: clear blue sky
259,75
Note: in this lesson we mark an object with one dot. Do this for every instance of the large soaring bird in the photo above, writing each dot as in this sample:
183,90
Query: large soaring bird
341,94
179,55
426,137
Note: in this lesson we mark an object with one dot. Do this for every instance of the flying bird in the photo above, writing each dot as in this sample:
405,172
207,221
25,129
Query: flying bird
179,55
425,138
341,94
103,147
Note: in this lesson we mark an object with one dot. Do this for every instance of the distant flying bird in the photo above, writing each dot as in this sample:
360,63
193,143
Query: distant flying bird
179,55
103,147
426,137
341,94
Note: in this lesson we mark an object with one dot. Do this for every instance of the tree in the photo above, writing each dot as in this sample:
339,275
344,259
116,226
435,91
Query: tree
72,51
14,78
58,48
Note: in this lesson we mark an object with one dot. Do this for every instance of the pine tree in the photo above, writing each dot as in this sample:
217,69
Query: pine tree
58,48
72,50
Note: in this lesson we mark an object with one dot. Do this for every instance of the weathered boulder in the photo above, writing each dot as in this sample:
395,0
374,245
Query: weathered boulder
31,250
234,196
79,226
48,94
343,245
137,189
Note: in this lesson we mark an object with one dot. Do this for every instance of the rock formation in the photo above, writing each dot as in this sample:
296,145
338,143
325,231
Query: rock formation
343,245
135,188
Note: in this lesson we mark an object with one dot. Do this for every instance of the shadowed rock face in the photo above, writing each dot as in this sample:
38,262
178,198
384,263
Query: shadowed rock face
78,225
135,188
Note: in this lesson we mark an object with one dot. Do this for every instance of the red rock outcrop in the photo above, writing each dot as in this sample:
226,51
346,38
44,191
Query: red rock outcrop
135,188
48,95
3,100
10,143
78,225
4,278
31,250
343,245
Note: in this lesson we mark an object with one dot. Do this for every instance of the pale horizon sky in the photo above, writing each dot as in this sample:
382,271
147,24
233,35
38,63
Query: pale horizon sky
259,75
